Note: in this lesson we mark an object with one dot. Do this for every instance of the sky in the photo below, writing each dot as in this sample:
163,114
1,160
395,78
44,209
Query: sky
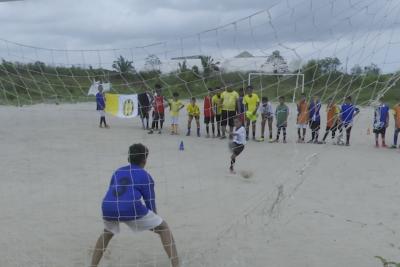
355,31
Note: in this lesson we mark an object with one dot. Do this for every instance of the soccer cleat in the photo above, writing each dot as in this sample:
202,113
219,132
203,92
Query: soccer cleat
150,132
188,133
159,132
284,141
393,146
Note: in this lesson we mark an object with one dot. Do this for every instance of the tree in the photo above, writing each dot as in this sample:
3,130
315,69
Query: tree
279,64
182,66
356,70
372,69
153,63
209,65
195,70
122,65
329,64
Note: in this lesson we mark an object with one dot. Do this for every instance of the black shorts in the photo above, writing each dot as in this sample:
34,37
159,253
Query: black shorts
207,120
236,148
144,112
333,128
315,125
228,118
218,117
381,130
157,116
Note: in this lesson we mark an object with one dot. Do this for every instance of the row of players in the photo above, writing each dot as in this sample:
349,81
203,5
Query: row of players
222,106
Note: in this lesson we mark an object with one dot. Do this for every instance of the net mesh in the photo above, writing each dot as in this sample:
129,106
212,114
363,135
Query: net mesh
330,48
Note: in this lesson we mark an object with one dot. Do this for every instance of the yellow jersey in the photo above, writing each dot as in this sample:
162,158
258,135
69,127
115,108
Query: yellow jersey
217,101
175,106
193,110
251,102
229,100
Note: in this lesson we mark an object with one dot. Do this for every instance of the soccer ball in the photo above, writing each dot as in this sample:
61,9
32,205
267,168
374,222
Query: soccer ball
246,174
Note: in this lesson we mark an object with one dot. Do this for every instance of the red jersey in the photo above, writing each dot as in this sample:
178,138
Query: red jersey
159,104
208,109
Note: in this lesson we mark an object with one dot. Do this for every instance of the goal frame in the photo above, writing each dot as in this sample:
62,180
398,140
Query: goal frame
298,84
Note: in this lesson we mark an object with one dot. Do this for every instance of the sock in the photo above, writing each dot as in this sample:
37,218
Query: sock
207,129
298,133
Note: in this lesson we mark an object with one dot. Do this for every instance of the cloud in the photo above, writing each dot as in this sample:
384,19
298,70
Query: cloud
299,28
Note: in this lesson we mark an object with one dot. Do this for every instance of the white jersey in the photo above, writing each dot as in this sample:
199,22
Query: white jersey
239,136
266,109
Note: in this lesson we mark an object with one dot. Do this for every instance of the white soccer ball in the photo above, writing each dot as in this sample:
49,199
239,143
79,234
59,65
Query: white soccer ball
246,174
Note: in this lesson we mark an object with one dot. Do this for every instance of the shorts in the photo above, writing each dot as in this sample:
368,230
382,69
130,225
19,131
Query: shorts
174,120
228,117
332,128
218,117
236,148
144,112
267,116
147,222
251,117
211,119
195,117
302,126
157,116
315,125
381,130
102,113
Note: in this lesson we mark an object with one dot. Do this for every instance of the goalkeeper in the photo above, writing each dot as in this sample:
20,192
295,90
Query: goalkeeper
130,186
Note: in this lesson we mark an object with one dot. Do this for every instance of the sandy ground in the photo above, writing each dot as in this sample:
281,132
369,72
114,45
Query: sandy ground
306,205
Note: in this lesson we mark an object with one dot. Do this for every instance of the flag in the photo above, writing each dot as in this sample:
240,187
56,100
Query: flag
122,106
93,89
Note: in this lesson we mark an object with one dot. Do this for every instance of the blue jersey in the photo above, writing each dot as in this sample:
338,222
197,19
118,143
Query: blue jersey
241,106
314,111
347,113
101,104
380,116
130,195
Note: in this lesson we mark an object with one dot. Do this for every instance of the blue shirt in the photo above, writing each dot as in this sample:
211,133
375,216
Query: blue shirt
130,195
314,109
347,113
101,104
380,116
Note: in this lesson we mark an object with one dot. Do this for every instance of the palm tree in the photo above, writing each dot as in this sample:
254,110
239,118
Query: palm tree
209,65
123,66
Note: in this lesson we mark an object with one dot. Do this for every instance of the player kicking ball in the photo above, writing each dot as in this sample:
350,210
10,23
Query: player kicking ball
238,142
130,200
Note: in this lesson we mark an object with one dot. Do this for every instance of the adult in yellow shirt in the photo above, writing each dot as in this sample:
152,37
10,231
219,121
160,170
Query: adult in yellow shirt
229,107
175,105
251,102
217,108
193,111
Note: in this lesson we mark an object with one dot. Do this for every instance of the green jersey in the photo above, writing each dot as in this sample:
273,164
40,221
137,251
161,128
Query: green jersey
281,113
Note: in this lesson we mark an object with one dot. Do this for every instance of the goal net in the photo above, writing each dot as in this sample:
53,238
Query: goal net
302,200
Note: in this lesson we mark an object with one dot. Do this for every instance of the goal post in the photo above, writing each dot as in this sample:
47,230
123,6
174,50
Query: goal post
299,81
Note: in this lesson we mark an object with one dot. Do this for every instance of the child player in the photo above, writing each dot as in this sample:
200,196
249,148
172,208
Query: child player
159,103
251,102
130,200
100,106
144,102
209,113
193,111
175,105
314,119
347,114
267,115
332,119
396,115
281,114
302,118
381,122
217,108
238,142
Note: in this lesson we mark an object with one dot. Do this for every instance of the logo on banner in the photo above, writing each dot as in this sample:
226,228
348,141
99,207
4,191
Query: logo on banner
128,107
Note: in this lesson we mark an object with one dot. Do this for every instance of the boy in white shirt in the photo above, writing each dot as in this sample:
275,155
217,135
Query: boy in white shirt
238,142
267,115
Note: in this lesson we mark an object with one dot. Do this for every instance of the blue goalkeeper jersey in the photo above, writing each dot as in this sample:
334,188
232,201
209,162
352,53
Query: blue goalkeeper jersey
130,195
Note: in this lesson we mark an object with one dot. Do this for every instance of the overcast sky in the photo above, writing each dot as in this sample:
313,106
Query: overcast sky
356,31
